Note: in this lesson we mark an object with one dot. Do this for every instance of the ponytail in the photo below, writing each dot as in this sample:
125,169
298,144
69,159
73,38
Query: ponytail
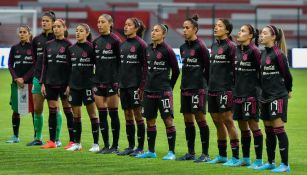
280,39
254,32
228,26
282,42
139,25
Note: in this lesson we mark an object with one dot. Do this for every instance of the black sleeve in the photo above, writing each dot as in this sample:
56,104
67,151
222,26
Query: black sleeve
44,66
284,70
11,63
174,66
204,53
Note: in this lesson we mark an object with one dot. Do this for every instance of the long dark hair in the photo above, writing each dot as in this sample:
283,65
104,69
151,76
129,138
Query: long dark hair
139,25
228,26
254,32
88,30
194,21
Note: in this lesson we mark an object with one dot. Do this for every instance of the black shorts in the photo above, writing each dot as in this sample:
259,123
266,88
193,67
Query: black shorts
77,96
106,90
129,98
246,109
220,101
193,101
157,100
275,109
53,93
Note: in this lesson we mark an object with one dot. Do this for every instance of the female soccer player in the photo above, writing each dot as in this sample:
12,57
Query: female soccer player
276,84
158,91
106,79
21,67
195,73
39,43
54,79
247,92
133,71
220,86
82,62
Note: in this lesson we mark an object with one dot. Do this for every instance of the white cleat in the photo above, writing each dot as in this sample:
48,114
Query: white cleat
95,148
75,147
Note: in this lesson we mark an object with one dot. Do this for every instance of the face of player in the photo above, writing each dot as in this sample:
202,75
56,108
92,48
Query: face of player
266,37
220,31
244,37
130,29
103,25
189,31
81,34
157,34
23,35
58,29
46,24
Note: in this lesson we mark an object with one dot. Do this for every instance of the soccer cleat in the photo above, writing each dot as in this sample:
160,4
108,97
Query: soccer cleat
218,159
243,162
169,156
13,139
70,143
187,156
35,143
282,168
231,162
147,154
49,144
136,152
75,147
94,148
255,164
127,151
266,166
202,158
58,143
103,150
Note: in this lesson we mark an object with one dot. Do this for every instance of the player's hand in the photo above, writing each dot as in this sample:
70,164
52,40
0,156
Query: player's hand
67,91
43,90
20,82
289,95
140,93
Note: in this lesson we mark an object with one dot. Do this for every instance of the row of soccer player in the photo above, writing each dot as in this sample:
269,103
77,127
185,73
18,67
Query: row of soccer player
243,85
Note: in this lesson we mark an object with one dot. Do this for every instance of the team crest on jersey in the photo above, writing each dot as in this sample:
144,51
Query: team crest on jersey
183,52
244,57
268,60
73,54
108,46
96,46
62,49
220,51
159,55
132,49
29,52
17,51
192,52
84,54
49,50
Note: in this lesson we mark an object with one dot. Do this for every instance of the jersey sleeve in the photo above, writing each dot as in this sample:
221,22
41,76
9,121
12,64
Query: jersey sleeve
143,60
174,66
204,53
284,70
11,62
44,66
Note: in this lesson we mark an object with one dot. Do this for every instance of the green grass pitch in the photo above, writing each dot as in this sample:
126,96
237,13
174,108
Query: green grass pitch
20,159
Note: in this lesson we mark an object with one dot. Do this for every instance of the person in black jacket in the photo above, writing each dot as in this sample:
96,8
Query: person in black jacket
158,91
220,84
82,61
106,80
247,93
38,44
276,85
21,66
195,74
133,71
55,78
